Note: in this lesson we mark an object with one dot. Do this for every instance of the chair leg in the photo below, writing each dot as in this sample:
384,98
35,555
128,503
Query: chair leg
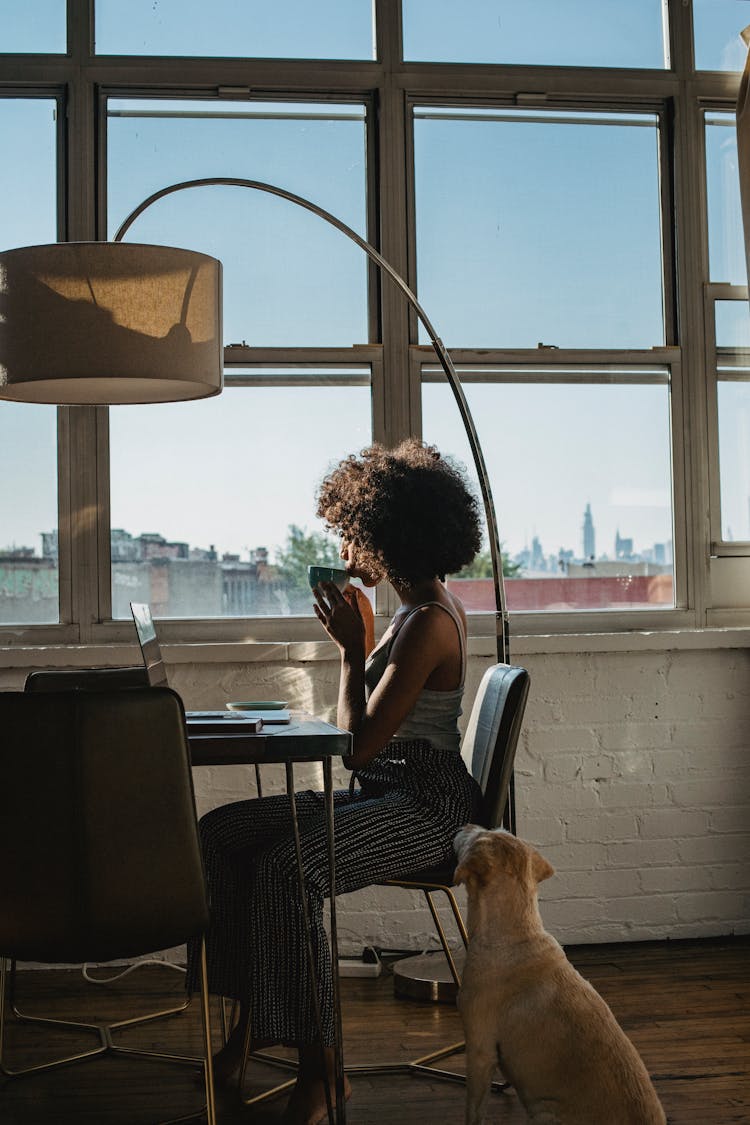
7,1001
102,1030
423,1065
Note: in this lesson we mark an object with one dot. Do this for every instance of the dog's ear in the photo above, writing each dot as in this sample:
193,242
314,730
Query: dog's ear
540,868
475,866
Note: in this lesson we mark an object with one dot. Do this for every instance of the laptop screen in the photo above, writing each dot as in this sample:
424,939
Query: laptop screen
152,658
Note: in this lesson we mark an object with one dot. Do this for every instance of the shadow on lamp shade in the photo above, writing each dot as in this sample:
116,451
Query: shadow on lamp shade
109,322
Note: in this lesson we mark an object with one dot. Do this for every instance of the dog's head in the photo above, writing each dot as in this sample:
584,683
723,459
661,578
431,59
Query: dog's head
485,854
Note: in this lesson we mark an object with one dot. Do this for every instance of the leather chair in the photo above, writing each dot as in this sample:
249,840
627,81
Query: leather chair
98,833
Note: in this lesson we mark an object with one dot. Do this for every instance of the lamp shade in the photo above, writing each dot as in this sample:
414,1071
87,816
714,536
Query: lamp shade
109,322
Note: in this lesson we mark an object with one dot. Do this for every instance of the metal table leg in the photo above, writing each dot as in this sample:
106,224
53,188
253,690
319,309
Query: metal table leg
336,1116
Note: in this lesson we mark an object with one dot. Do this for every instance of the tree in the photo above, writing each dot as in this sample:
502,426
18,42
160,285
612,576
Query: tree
481,566
292,560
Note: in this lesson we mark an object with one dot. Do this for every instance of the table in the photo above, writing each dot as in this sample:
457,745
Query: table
304,739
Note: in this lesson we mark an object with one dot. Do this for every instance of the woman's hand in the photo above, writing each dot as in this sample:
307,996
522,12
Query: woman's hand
340,618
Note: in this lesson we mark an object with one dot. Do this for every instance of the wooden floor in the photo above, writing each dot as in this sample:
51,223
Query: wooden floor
684,1004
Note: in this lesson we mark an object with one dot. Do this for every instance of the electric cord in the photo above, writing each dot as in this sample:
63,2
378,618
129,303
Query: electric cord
129,969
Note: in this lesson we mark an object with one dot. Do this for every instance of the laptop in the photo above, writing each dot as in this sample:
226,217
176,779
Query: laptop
202,722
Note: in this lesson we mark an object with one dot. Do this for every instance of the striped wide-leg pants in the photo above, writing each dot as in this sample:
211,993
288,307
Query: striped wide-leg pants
411,801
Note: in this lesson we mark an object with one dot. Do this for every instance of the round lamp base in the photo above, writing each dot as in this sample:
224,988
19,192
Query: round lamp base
427,977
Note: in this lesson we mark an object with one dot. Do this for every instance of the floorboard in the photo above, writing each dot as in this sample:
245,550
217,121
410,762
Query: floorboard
684,1004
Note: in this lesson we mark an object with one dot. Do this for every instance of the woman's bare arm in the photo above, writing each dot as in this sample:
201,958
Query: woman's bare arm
425,641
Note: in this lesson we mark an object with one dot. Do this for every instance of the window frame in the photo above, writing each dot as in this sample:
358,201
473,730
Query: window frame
390,86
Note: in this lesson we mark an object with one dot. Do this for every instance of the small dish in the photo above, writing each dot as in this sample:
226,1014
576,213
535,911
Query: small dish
259,705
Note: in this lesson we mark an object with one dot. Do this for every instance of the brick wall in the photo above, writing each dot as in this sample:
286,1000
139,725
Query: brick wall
633,779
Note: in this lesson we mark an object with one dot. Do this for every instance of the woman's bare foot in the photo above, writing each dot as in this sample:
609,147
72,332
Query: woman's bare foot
228,1061
308,1105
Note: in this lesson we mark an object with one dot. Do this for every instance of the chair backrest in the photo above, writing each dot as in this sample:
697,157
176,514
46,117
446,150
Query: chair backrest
98,832
86,679
489,745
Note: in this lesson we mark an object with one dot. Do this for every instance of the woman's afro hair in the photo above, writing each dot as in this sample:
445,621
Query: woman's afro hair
408,511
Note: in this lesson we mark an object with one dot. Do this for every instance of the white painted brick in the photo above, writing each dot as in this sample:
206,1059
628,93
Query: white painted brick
598,767
635,736
563,736
643,853
575,857
574,795
720,732
719,760
672,823
620,794
729,876
707,793
556,914
727,848
667,880
735,819
711,905
541,830
562,767
634,764
645,909
602,884
669,763
601,828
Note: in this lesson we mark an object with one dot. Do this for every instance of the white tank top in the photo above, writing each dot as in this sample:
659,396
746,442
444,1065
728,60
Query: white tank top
435,714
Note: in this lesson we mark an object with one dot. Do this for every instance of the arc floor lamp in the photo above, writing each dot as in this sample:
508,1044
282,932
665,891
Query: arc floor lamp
501,614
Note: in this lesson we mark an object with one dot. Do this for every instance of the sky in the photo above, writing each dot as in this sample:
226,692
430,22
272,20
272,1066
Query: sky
516,244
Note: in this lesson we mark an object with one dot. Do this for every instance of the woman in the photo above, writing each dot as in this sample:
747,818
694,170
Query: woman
405,515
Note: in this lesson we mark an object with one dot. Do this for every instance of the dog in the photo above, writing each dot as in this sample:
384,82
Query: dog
524,1006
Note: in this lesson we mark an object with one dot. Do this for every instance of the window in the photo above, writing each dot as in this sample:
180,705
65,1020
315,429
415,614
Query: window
557,182
290,279
28,433
212,503
717,25
327,29
33,28
213,507
624,33
591,527
539,227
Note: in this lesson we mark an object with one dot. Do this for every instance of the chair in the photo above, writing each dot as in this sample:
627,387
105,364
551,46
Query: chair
96,679
99,837
488,749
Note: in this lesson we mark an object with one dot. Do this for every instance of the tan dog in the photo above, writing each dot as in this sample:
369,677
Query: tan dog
524,1005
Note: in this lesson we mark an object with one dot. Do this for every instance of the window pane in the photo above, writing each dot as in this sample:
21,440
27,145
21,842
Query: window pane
28,433
33,28
539,227
732,324
726,245
627,33
206,495
289,277
28,514
716,27
734,459
327,29
582,489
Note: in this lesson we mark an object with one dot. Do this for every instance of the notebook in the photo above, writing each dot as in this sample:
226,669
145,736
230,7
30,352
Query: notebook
201,722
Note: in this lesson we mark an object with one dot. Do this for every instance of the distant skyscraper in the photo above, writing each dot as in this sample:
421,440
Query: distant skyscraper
589,535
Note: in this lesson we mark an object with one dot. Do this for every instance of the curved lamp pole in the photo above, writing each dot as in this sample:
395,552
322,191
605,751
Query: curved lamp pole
502,632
